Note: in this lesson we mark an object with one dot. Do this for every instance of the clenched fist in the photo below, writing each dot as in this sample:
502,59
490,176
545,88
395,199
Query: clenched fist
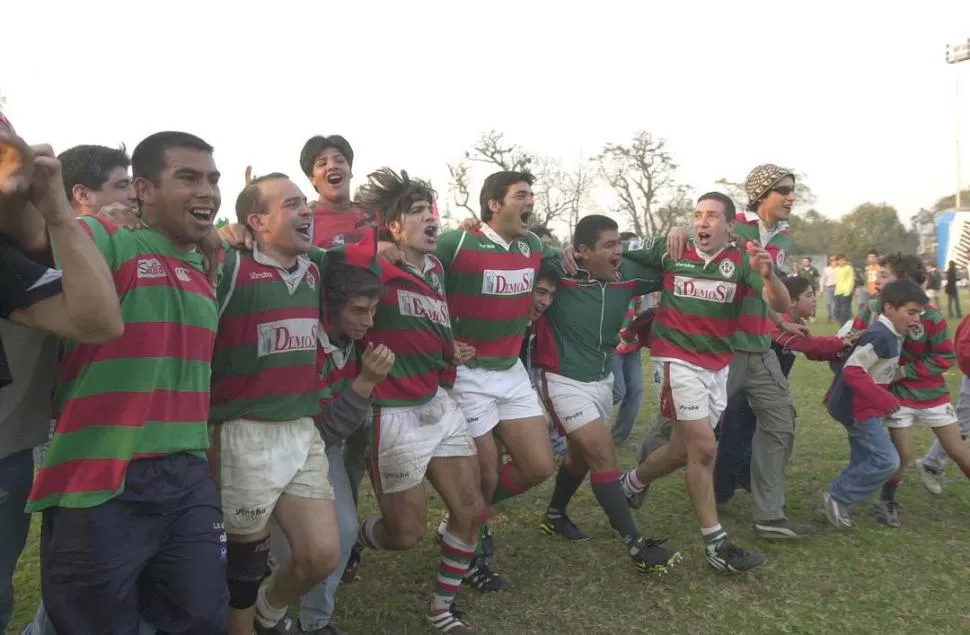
377,362
463,353
760,259
16,164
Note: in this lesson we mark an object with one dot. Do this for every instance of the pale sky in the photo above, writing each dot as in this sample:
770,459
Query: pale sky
854,93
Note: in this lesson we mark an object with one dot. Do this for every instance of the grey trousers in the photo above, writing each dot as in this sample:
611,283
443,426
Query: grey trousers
759,376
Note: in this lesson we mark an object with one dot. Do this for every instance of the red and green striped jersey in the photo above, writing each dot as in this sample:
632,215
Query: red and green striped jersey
412,320
334,227
926,355
636,304
143,394
489,287
754,328
265,364
576,336
701,301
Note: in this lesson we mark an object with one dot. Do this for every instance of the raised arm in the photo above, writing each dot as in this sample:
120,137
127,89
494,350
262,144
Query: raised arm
88,308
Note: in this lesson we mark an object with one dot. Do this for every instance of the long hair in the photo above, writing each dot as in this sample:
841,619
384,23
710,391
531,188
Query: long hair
387,195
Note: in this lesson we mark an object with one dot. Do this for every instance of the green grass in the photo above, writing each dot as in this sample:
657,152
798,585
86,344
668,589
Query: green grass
867,580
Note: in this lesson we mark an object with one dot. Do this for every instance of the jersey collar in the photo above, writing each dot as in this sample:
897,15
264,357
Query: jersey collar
492,235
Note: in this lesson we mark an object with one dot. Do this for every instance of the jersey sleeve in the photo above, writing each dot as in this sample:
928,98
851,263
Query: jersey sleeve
649,252
748,276
106,236
448,244
22,281
648,279
939,355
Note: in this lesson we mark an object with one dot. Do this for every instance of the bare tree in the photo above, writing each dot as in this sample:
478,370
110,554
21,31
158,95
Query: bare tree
458,186
560,192
638,174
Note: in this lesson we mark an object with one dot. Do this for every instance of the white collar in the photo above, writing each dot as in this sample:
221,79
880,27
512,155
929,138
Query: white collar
885,321
492,235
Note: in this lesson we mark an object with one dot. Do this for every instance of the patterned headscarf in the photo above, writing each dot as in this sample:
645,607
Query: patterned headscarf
763,178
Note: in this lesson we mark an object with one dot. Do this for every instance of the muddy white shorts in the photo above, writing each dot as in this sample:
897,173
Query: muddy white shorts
689,393
489,396
406,439
935,417
255,462
573,404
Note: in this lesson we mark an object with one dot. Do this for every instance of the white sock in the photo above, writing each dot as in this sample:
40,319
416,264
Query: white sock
632,483
267,614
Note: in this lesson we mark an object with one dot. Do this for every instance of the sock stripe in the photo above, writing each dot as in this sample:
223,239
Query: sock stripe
606,476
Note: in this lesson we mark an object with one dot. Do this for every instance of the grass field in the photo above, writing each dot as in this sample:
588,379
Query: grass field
867,580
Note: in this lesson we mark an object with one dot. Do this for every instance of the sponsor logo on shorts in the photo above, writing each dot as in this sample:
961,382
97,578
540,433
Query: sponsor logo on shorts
151,268
572,416
250,513
421,306
285,336
395,475
710,290
496,282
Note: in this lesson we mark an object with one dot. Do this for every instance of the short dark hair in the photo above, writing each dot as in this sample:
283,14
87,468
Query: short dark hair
388,195
900,293
317,144
90,166
251,201
905,267
628,236
730,211
148,159
589,228
497,185
872,252
549,273
343,282
796,286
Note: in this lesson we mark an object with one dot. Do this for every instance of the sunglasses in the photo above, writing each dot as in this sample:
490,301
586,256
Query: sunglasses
784,190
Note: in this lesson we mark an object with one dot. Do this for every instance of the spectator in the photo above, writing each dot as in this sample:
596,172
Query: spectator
828,286
808,271
952,292
933,284
96,177
844,289
872,276
627,372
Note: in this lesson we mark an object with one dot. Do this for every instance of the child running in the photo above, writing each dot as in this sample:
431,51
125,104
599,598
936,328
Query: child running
860,399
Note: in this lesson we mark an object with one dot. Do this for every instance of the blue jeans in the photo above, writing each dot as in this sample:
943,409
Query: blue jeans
733,466
16,478
316,608
830,301
872,460
627,391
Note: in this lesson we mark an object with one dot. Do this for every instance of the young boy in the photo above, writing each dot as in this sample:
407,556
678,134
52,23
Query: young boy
859,399
932,465
919,386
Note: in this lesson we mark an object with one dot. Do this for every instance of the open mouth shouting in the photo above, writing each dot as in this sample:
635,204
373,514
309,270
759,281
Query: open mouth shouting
203,215
431,231
303,229
335,178
703,239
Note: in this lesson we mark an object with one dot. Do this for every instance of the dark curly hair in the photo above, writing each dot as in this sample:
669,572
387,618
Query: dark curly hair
387,196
